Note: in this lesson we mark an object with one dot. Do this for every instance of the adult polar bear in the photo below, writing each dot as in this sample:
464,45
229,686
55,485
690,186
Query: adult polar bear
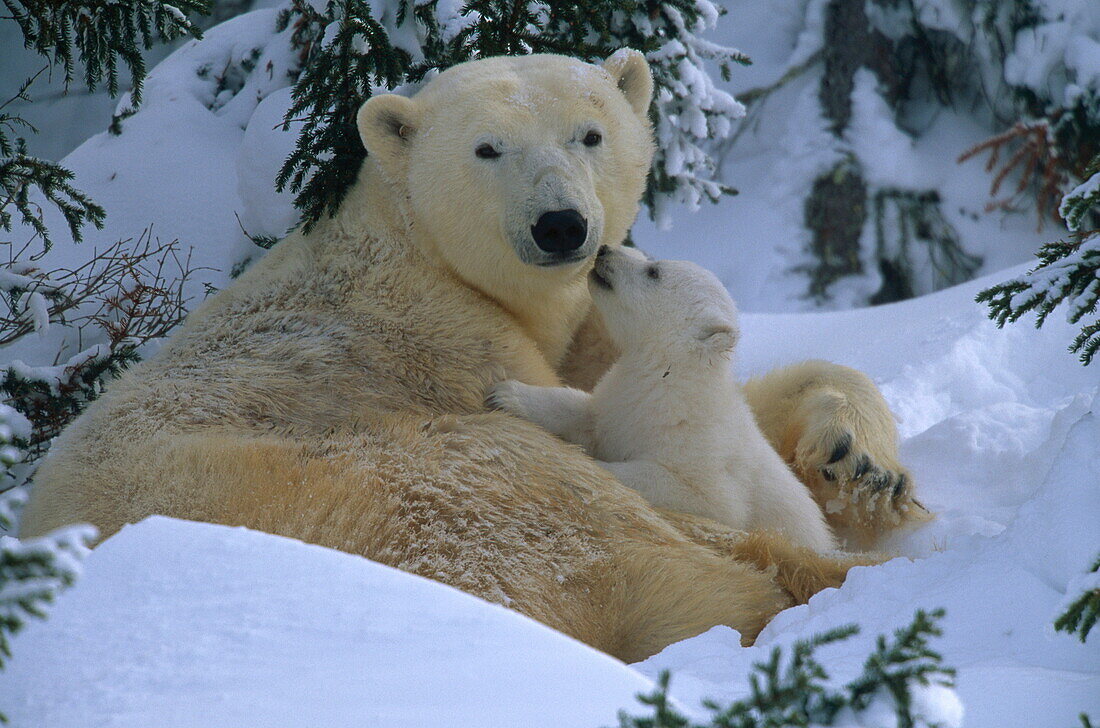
335,392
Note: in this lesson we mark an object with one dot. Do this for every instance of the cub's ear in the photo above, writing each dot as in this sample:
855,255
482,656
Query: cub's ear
387,124
630,72
718,337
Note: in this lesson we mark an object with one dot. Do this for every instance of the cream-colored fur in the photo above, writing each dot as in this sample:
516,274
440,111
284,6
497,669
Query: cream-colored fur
669,419
335,392
831,424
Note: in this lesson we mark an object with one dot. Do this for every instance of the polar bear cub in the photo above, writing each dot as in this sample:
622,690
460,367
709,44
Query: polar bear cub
669,419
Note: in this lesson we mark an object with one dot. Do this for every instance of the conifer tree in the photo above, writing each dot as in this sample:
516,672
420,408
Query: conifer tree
349,52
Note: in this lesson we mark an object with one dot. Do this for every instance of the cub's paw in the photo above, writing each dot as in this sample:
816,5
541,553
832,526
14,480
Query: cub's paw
857,481
509,396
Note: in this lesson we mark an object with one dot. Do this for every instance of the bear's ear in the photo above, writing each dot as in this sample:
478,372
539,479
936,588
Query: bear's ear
718,337
387,124
630,72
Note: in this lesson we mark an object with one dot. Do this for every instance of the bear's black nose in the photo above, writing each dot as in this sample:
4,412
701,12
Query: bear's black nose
559,232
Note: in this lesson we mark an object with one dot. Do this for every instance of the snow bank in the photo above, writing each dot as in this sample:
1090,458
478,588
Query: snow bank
186,624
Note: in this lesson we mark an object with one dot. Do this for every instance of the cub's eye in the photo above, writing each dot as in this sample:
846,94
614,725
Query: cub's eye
487,151
592,138
652,272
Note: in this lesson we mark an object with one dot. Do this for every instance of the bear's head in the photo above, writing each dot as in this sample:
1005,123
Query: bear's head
667,308
517,169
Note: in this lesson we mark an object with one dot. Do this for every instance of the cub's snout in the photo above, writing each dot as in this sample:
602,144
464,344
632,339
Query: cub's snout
600,276
614,263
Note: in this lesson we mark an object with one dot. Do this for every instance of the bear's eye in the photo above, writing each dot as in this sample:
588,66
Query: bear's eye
652,272
592,138
487,151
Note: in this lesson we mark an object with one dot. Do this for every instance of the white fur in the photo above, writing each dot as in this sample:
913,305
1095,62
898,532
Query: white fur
669,419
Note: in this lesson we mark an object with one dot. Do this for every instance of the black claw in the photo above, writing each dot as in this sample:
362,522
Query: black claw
880,481
841,449
862,467
899,487
828,474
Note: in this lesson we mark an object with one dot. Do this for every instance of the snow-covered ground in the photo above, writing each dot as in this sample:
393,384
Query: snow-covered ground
184,624
204,625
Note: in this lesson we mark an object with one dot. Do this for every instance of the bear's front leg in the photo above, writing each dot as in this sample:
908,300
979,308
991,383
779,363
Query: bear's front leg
832,425
563,411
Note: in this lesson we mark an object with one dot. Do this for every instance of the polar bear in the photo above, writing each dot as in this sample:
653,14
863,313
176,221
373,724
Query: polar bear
668,418
334,393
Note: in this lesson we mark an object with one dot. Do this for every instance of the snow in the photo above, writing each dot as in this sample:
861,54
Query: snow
186,624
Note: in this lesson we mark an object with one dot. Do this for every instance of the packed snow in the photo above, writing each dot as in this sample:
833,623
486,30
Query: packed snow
185,624
205,625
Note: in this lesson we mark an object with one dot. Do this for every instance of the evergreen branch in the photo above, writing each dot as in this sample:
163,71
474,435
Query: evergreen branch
336,81
1083,198
1082,614
664,715
899,664
103,33
34,572
127,295
795,691
1069,273
20,173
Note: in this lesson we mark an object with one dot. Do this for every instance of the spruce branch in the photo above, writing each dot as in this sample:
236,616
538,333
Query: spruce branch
1082,199
33,572
899,664
664,714
20,173
1084,611
1033,153
794,689
103,33
338,78
125,296
1069,273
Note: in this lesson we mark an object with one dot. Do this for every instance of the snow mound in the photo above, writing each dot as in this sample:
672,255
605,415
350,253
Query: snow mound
186,624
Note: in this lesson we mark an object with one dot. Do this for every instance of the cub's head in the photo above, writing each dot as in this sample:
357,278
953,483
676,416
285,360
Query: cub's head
671,306
517,169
